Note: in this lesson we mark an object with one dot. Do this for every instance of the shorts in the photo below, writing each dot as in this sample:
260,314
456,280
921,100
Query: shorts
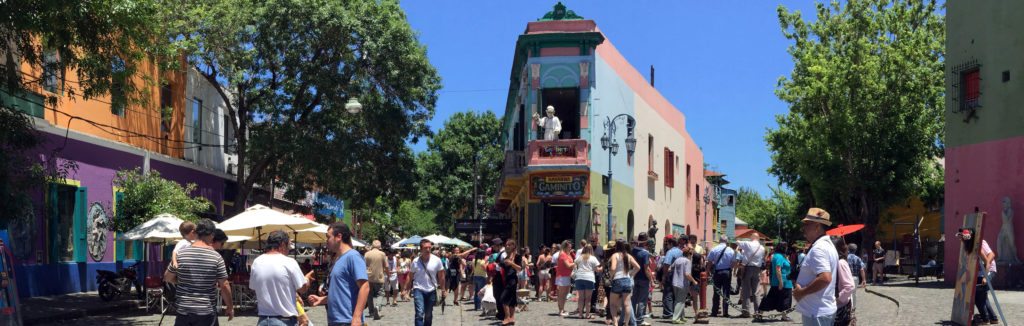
543,275
453,281
563,281
622,285
584,285
392,285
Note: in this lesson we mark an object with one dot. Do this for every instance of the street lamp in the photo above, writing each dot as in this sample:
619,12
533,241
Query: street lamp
353,106
609,144
707,201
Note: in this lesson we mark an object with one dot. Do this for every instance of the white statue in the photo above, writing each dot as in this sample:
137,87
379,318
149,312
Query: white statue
552,126
1007,248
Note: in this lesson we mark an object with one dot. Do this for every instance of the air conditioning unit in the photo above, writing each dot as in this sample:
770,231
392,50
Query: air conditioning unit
232,169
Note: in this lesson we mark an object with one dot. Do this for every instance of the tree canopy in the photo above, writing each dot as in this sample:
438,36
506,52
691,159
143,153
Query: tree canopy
865,98
146,195
100,42
779,212
468,145
286,70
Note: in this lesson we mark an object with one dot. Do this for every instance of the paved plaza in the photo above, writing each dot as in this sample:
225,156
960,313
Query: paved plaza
899,302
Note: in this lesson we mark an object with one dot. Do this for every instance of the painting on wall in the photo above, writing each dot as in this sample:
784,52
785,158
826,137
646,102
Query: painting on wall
97,232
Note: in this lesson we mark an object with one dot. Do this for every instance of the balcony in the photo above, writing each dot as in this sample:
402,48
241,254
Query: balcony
515,162
558,152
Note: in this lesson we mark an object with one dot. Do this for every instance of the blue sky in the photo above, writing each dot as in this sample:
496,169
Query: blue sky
716,61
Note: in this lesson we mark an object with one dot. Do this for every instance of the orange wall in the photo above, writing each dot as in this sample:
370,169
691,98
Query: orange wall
138,119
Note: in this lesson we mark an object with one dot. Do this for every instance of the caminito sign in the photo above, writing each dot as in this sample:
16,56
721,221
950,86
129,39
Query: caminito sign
558,186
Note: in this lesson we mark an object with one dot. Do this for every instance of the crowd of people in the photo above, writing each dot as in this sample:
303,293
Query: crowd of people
614,281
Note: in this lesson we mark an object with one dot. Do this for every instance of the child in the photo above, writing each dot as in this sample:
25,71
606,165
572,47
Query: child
490,305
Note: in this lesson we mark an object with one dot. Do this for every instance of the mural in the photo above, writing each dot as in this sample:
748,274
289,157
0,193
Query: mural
97,233
10,312
1007,247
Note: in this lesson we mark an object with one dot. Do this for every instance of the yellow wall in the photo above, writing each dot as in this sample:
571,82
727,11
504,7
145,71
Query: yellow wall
909,212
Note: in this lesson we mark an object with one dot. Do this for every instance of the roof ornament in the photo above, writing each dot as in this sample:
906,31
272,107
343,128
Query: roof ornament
560,13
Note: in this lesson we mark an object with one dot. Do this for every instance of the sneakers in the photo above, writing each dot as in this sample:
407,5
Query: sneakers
679,321
644,323
745,315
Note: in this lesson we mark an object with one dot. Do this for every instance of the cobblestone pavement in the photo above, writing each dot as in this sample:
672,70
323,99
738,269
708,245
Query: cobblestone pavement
931,302
927,303
872,310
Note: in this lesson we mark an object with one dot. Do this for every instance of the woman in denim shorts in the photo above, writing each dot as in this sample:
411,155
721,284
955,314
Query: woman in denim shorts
624,268
587,266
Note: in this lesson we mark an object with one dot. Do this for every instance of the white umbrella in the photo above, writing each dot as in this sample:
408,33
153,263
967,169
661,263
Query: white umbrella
437,238
161,228
259,219
457,243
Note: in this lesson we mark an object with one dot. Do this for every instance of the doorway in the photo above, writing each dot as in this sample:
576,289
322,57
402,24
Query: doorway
567,108
629,226
559,222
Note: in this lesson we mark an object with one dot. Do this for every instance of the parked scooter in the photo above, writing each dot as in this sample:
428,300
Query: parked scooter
112,285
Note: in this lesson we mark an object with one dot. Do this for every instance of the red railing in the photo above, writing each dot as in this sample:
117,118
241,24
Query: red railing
558,152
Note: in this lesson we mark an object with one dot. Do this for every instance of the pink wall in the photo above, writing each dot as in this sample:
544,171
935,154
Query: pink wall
980,175
560,26
560,51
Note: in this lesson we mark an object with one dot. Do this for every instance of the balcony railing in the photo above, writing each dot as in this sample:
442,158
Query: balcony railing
515,161
558,152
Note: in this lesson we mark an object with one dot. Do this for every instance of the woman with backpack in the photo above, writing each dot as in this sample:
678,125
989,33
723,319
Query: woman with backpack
844,286
624,267
780,293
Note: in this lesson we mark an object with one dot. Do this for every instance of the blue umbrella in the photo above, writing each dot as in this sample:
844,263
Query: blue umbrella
408,242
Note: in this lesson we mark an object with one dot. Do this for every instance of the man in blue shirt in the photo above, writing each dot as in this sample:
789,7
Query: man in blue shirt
667,300
346,298
642,280
720,260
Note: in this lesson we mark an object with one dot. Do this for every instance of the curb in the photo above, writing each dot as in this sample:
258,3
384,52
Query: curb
897,302
122,305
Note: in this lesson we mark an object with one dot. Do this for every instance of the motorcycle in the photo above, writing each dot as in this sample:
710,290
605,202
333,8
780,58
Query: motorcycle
112,285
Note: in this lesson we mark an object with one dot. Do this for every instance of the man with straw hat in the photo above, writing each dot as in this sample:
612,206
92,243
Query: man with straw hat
814,289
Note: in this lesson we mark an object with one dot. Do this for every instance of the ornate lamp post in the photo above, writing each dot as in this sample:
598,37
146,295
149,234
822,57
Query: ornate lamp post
609,144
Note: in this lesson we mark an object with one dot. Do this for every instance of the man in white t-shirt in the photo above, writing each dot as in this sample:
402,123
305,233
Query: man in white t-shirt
277,280
427,276
815,286
751,257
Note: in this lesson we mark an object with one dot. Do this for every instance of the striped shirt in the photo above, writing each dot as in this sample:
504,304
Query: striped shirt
198,271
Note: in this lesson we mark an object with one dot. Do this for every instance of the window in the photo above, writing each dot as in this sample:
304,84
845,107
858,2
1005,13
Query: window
118,97
650,153
670,175
729,201
229,135
688,180
970,91
49,79
197,123
166,107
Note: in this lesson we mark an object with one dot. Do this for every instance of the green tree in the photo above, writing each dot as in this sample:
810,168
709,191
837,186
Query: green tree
83,37
286,70
147,195
866,106
468,145
770,215
387,222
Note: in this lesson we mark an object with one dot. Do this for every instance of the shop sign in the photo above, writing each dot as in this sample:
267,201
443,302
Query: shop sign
558,186
557,150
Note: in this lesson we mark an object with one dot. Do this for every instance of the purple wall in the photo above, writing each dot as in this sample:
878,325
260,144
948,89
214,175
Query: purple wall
97,167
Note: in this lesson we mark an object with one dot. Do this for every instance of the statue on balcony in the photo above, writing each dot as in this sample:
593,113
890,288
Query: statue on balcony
552,126
1007,248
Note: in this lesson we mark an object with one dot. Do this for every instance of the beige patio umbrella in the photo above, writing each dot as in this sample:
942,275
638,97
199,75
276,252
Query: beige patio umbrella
258,220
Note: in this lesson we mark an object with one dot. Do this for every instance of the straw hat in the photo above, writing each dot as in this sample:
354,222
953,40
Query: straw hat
818,215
